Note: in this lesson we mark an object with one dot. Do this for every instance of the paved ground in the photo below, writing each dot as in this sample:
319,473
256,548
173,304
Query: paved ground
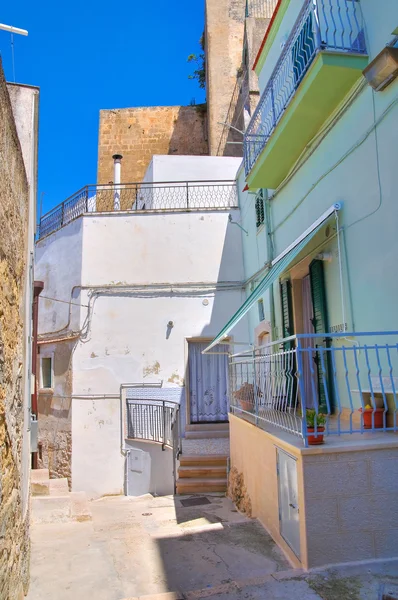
148,546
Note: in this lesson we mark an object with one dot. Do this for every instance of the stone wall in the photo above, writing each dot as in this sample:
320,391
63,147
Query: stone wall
14,200
54,405
224,45
139,133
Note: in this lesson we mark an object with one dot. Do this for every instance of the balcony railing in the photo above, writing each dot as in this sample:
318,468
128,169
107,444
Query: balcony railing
262,9
144,196
352,381
323,25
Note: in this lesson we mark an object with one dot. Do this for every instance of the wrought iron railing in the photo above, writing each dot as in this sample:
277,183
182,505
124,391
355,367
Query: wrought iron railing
148,196
152,413
323,25
349,382
263,9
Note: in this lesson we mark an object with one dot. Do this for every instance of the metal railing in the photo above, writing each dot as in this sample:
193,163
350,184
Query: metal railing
153,414
240,101
262,9
323,25
147,196
347,384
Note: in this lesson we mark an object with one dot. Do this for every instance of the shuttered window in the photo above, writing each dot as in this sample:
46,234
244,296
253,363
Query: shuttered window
287,311
320,323
260,213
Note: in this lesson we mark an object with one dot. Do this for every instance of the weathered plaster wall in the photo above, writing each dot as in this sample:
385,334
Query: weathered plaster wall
139,133
14,217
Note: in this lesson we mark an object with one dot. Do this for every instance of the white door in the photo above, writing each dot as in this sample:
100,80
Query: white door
288,501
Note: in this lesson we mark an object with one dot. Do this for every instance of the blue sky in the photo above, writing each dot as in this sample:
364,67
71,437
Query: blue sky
86,55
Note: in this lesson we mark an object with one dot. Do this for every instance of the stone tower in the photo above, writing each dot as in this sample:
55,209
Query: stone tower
224,32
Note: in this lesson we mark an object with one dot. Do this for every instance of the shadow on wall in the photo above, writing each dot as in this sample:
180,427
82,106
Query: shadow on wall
189,135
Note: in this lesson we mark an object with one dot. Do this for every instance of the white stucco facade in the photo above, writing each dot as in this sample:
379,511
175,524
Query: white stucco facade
128,275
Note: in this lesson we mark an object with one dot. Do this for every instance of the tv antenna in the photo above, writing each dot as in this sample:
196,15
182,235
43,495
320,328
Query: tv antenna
13,30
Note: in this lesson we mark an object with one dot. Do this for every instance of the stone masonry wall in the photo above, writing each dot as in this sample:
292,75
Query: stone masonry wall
224,45
14,532
139,133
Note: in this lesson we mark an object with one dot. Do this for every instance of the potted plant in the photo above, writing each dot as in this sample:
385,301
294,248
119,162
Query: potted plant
245,396
368,421
315,419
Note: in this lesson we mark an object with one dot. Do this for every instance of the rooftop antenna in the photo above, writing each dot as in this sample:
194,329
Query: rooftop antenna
13,30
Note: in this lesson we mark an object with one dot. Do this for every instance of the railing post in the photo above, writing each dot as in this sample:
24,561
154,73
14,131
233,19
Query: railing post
164,425
302,391
86,208
187,194
62,213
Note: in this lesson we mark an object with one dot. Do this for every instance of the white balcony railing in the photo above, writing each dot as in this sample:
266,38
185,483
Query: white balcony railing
352,381
323,25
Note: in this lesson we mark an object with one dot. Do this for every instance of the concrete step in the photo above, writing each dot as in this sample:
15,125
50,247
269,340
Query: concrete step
204,471
58,487
203,459
39,482
60,509
199,485
206,434
207,427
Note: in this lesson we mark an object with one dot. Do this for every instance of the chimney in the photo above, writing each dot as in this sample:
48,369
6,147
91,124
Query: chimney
117,169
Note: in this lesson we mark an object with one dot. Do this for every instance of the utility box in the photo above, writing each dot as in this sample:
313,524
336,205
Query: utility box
34,433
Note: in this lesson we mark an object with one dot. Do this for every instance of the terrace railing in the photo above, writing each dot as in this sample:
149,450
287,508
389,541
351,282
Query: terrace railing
144,196
352,381
323,25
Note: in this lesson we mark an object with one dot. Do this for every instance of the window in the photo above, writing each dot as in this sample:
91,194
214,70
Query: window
260,213
261,314
46,372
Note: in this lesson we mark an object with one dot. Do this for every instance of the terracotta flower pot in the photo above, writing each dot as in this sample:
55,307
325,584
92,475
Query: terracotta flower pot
245,405
367,417
315,440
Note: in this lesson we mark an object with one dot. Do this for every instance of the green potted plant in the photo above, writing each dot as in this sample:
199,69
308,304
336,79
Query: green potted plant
319,419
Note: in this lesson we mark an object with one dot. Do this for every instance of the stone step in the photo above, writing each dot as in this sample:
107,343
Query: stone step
58,487
204,471
60,509
39,475
206,434
203,459
199,485
207,427
39,482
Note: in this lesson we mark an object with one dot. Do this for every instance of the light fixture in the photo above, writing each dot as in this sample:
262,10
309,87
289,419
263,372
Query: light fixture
383,69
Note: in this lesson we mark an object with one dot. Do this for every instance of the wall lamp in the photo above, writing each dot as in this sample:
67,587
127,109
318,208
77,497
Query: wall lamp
383,69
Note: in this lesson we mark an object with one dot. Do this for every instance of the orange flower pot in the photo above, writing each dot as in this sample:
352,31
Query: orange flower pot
367,417
315,440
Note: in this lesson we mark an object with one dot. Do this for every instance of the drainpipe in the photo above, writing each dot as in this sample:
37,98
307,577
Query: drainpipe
117,170
38,287
270,256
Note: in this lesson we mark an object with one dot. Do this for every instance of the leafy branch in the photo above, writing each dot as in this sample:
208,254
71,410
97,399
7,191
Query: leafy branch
200,60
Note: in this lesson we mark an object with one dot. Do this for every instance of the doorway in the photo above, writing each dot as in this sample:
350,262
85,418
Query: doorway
208,383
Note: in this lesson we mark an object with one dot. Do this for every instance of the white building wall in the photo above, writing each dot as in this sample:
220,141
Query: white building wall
165,168
137,272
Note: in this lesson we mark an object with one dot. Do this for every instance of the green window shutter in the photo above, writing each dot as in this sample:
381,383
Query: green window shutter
318,293
287,310
259,206
321,325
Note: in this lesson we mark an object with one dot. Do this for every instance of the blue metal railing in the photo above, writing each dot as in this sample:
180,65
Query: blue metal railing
322,25
348,381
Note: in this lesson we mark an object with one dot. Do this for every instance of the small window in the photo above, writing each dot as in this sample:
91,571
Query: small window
261,314
46,372
259,210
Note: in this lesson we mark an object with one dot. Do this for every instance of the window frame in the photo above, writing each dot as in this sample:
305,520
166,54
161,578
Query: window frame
51,358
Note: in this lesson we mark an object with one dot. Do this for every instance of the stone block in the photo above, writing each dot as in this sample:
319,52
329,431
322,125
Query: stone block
386,542
40,489
321,515
58,487
338,547
50,509
79,507
39,475
384,474
325,479
366,513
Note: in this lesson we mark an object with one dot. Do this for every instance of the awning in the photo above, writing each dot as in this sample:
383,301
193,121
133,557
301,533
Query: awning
279,265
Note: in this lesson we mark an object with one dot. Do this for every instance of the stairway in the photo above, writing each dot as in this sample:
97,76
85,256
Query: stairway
51,500
201,474
200,431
